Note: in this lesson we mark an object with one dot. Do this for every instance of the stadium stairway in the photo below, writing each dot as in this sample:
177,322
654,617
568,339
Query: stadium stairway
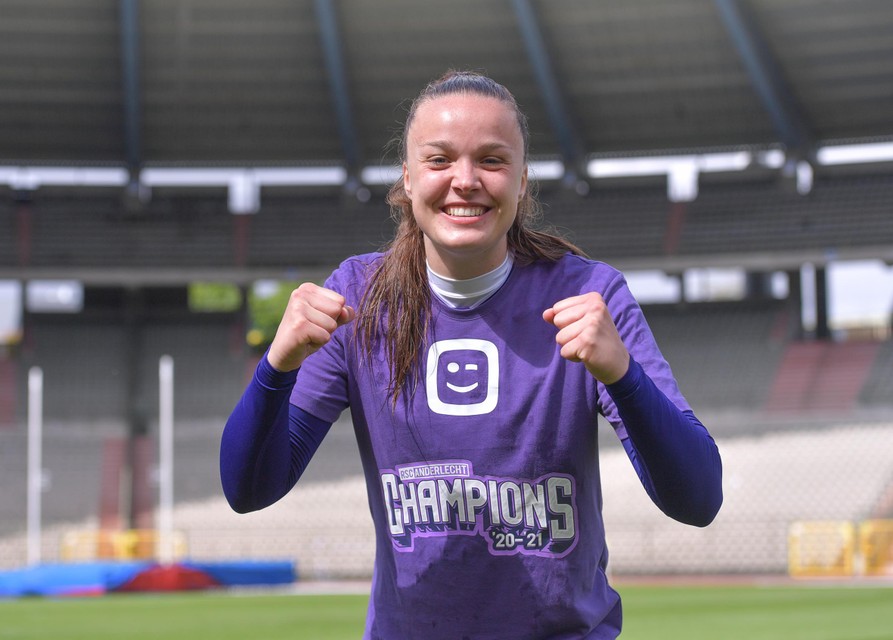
818,376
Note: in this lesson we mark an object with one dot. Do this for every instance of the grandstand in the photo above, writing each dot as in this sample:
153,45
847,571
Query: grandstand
227,93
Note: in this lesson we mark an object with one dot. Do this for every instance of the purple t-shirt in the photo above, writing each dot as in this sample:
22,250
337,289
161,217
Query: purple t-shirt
483,482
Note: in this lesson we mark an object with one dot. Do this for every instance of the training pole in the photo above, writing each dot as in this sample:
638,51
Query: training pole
165,548
35,462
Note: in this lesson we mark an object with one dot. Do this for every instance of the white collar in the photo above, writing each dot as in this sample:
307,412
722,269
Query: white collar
469,293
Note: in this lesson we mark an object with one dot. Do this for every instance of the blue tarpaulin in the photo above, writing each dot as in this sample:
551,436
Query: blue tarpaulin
96,578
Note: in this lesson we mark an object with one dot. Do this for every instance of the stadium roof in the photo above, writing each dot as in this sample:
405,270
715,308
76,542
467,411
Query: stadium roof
309,82
293,93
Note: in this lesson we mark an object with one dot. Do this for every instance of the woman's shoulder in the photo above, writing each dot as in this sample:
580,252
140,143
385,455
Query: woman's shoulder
360,262
577,268
353,272
573,275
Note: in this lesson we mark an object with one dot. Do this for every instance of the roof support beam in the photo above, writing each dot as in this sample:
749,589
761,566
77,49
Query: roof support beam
337,73
130,77
787,115
559,115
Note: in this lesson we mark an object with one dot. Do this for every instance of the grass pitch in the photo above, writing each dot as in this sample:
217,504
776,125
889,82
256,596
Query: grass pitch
669,613
809,612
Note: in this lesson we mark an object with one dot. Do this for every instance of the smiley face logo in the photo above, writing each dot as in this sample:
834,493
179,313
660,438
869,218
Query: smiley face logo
462,377
454,368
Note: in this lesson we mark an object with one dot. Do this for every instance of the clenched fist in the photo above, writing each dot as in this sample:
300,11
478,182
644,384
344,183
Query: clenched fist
311,317
587,334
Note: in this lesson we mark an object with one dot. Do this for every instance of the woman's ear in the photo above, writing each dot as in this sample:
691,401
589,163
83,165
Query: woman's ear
407,184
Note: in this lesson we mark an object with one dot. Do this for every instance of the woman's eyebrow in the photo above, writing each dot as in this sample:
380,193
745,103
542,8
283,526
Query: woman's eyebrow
438,144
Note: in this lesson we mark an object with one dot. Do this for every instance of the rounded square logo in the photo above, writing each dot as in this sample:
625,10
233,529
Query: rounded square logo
462,377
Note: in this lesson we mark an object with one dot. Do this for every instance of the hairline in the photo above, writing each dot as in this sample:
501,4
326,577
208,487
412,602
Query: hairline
519,118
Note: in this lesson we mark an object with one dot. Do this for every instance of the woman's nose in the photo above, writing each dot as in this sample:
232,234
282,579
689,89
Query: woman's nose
465,176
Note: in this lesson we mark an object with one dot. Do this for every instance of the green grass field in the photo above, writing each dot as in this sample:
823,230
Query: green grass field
665,613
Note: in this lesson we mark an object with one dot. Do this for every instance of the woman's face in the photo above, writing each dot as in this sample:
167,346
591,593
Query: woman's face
465,174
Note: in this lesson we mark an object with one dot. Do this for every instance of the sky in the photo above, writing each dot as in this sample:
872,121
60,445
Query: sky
863,291
860,293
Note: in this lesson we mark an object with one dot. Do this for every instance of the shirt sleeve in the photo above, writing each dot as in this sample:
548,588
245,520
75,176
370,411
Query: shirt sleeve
675,457
267,442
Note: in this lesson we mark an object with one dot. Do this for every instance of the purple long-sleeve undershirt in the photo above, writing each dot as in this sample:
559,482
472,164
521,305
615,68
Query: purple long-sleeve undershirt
674,455
268,442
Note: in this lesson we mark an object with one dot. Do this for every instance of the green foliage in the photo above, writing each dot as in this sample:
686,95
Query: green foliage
266,303
214,297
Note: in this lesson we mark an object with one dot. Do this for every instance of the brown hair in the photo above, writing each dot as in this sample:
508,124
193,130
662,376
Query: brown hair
396,304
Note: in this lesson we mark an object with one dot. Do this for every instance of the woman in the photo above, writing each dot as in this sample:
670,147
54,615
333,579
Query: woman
475,355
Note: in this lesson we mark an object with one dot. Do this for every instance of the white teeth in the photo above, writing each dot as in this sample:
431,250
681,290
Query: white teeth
465,212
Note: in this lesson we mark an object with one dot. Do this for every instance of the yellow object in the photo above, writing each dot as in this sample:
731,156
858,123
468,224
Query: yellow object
132,544
821,549
876,547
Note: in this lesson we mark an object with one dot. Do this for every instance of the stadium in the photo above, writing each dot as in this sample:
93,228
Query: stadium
170,170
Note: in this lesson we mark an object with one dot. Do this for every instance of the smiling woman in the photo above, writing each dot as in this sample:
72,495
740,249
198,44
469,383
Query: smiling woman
483,488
